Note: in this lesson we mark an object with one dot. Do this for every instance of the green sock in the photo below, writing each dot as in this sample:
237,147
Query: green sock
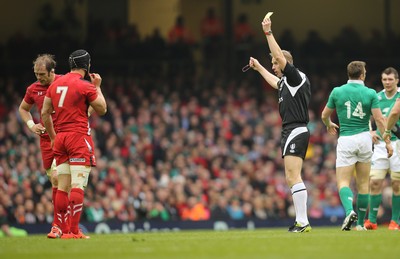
374,203
346,197
395,207
362,206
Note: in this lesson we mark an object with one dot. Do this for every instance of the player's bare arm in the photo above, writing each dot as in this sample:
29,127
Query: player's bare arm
95,79
99,104
271,79
326,119
380,123
276,50
90,111
24,111
375,137
379,119
46,117
392,119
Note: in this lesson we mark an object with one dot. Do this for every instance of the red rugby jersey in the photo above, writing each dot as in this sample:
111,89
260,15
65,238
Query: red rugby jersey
70,96
35,94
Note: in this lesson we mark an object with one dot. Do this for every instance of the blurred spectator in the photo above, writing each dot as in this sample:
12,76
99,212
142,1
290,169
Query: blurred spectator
154,48
235,210
195,210
179,33
333,208
5,229
348,43
244,38
375,44
180,42
242,30
259,207
94,212
314,46
316,211
158,212
220,210
247,209
29,216
47,21
287,41
212,32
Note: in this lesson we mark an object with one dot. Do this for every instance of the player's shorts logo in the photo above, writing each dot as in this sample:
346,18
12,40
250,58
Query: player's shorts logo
77,160
292,147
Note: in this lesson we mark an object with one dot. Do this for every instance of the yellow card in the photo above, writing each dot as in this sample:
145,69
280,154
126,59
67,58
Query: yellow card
268,15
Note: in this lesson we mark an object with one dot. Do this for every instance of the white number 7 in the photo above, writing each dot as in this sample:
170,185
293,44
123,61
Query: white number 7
63,90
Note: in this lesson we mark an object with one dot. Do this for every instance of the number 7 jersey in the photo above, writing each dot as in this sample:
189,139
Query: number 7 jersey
353,103
70,96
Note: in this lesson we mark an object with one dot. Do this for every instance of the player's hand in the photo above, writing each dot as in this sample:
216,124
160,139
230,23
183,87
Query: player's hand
266,25
254,64
375,137
389,148
332,128
386,136
95,79
38,129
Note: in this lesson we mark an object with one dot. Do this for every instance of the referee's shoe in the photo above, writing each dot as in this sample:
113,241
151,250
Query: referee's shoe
297,228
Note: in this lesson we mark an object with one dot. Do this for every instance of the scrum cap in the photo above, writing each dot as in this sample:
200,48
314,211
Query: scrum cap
79,59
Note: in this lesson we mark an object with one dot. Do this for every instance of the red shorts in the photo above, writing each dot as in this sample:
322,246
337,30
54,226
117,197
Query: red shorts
47,152
74,148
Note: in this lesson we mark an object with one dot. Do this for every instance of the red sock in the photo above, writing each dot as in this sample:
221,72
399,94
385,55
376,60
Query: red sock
76,203
61,210
54,203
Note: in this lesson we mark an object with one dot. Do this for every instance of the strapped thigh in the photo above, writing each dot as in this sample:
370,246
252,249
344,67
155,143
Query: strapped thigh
79,176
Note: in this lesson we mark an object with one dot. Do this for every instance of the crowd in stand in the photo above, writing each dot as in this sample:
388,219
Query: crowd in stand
181,147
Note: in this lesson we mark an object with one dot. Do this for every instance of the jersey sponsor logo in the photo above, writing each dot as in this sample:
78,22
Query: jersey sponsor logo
40,93
292,148
76,160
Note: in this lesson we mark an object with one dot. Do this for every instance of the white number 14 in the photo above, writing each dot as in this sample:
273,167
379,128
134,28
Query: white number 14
358,111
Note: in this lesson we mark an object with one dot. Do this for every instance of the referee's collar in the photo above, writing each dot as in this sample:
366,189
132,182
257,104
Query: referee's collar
360,82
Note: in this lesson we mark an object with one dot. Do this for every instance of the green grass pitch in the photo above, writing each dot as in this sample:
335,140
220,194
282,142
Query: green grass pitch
260,243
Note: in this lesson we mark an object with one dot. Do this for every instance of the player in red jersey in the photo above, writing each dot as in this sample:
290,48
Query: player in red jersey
44,69
69,97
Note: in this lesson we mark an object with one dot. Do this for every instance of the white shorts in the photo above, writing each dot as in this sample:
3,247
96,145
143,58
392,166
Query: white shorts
380,160
353,149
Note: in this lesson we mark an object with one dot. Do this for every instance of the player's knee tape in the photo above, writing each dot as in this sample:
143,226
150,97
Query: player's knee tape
52,168
378,174
395,176
80,176
63,169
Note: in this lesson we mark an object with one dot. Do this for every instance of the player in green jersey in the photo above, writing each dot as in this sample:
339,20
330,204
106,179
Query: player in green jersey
354,104
381,164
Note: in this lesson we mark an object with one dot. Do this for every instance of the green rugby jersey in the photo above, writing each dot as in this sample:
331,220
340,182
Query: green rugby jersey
386,105
353,103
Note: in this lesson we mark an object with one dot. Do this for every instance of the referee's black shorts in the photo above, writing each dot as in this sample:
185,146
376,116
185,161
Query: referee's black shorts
294,141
